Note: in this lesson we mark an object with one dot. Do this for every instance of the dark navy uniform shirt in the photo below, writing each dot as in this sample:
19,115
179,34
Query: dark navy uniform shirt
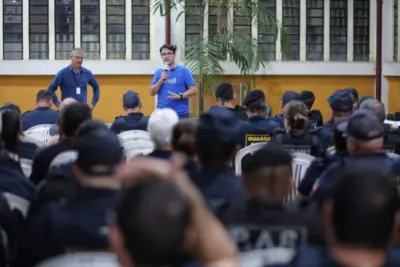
40,115
307,142
315,170
238,111
317,256
327,180
259,225
256,129
12,179
326,133
132,121
77,224
218,185
25,149
44,157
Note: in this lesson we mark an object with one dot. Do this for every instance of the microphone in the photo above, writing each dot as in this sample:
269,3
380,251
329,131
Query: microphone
166,65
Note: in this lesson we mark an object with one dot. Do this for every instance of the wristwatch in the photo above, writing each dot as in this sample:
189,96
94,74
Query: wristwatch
181,95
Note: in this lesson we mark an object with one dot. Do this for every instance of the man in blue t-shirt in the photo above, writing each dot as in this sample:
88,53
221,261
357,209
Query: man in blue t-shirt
173,84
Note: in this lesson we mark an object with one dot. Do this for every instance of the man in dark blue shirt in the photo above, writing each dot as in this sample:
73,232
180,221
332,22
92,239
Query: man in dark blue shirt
80,222
43,114
341,104
360,219
225,96
216,144
73,81
314,115
134,120
364,136
257,128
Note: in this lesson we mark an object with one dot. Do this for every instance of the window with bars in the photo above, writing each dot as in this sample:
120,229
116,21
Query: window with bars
193,21
140,29
242,20
315,30
39,29
90,28
338,30
218,24
65,23
395,29
12,30
266,33
361,30
291,26
115,29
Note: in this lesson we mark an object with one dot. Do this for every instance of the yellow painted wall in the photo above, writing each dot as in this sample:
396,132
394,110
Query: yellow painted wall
22,90
394,95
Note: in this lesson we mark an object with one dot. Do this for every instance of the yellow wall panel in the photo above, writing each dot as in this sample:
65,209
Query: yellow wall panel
22,90
322,86
394,95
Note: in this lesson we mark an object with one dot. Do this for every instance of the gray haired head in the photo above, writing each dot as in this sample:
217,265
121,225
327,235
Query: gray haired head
376,106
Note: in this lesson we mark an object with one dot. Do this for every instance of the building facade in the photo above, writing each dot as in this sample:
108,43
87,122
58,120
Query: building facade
332,46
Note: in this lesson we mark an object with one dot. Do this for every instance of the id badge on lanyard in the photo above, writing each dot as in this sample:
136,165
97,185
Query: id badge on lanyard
78,88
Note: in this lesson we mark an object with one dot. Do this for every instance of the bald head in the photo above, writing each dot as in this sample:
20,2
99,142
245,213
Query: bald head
67,102
376,106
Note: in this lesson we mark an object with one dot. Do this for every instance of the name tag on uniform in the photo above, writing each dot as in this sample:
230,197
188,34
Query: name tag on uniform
256,138
78,90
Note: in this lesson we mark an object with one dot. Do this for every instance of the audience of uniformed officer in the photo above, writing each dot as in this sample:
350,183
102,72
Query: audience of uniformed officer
79,222
165,208
364,136
262,222
359,217
72,117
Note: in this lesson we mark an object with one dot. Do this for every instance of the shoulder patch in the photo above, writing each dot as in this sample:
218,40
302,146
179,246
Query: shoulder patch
256,138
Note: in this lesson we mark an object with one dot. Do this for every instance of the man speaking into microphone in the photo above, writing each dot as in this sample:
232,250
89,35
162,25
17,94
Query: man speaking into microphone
173,84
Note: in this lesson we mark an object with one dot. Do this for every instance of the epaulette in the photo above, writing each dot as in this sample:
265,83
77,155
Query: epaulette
118,117
26,112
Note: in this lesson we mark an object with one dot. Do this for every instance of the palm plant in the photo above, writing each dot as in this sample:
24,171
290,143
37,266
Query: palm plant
204,53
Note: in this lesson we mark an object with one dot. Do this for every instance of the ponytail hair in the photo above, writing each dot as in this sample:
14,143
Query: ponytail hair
296,115
183,137
11,128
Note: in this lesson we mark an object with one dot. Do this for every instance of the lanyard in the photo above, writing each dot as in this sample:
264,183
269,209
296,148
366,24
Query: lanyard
77,74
